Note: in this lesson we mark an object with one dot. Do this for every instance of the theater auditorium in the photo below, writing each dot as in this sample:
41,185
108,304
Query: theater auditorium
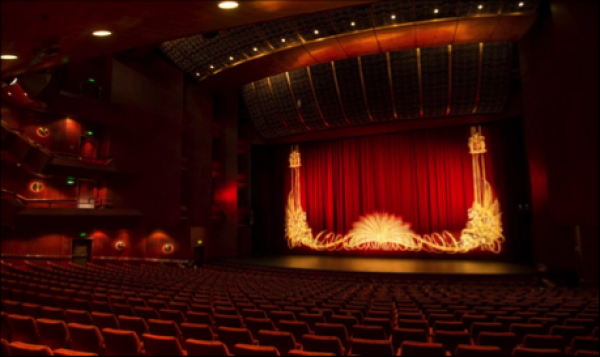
299,178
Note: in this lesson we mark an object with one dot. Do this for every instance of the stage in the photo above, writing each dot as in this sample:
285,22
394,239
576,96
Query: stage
387,265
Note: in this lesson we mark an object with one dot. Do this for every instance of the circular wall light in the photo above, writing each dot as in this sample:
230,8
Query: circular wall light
101,33
9,57
167,248
42,131
228,5
36,187
120,246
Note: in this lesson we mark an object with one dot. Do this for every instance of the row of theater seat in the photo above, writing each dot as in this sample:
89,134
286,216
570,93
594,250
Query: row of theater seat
374,313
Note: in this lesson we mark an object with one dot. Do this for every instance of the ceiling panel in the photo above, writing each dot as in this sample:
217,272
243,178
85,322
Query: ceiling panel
305,99
351,90
465,75
434,71
377,85
405,78
327,94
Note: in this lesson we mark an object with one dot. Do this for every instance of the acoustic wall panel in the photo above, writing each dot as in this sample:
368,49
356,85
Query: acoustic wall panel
269,108
285,103
305,99
377,85
434,73
465,74
495,77
405,79
324,83
351,89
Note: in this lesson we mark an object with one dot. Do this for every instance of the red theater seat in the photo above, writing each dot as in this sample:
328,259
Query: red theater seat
197,332
583,344
569,332
163,346
255,325
323,344
66,352
165,328
23,329
371,348
172,315
53,333
369,333
336,330
544,342
451,339
86,339
228,321
250,350
231,336
307,353
79,317
35,311
421,349
466,350
281,340
5,327
479,327
206,348
147,313
507,341
122,343
5,349
521,351
521,330
24,349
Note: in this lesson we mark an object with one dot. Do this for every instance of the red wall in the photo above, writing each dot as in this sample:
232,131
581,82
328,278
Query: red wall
559,61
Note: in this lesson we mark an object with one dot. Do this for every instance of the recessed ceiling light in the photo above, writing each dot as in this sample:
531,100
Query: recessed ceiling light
316,32
101,33
283,40
231,58
197,74
8,57
211,66
228,5
521,4
255,49
26,94
436,11
393,17
353,23
480,7
9,94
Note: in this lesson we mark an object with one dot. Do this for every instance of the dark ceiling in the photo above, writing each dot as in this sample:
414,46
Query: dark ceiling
349,32
31,27
418,83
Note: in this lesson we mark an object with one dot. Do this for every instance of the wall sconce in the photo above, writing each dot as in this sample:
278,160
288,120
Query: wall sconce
167,248
120,246
42,131
36,187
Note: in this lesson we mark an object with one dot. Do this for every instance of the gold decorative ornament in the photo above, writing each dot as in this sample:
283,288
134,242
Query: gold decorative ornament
383,231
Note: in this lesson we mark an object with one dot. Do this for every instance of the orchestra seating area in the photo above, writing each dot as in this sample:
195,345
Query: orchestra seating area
50,309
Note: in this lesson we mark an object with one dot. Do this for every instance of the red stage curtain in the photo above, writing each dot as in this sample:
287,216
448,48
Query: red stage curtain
425,177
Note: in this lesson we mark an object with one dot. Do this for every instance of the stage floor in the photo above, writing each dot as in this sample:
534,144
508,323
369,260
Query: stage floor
388,265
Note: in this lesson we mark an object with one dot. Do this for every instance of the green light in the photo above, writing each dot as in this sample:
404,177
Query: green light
91,80
90,133
70,182
82,234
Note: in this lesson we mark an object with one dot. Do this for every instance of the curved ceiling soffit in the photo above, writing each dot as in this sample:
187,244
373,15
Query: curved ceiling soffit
228,59
441,81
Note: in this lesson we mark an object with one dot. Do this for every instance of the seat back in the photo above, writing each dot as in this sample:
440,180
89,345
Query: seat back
282,341
121,343
451,339
323,344
507,341
79,317
199,318
372,347
363,332
206,348
162,346
164,328
102,320
53,333
569,332
522,351
231,336
478,327
400,335
466,350
336,330
24,349
86,338
544,342
296,328
23,329
197,332
250,350
228,321
410,348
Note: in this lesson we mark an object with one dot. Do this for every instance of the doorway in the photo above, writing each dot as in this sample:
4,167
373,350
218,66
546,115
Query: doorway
82,251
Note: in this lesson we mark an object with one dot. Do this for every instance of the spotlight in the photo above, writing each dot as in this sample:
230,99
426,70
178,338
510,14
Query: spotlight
316,32
255,49
521,4
9,57
283,40
480,7
231,58
436,11
212,67
353,23
393,17
228,5
101,33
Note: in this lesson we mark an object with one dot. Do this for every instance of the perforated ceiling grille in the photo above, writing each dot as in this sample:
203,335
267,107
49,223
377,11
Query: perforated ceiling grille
429,82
